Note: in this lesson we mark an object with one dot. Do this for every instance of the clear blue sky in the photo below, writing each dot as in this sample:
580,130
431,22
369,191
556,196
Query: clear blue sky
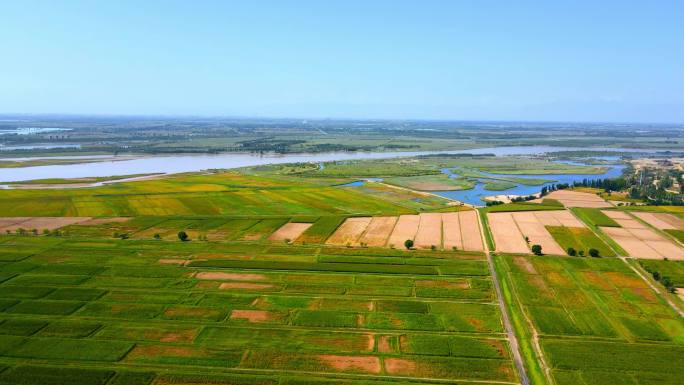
492,60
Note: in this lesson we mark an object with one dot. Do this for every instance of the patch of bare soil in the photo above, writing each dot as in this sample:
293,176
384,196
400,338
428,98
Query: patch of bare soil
254,316
365,364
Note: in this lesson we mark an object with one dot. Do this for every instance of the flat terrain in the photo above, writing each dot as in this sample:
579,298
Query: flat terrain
510,229
450,231
639,240
289,278
597,321
135,311
578,199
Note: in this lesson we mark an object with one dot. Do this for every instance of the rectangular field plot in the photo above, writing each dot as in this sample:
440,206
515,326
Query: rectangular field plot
516,232
578,199
38,223
132,309
349,232
638,240
289,232
596,317
448,231
661,221
580,239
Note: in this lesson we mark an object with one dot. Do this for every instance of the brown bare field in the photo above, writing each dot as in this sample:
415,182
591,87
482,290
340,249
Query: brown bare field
644,243
39,223
385,344
289,231
510,229
245,285
451,228
470,231
532,228
558,218
100,221
254,316
406,228
571,198
429,231
661,221
507,236
614,214
378,231
7,222
349,232
211,275
365,364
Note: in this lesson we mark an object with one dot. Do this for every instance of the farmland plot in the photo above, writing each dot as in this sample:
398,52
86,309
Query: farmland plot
143,311
640,241
449,231
571,198
571,302
515,232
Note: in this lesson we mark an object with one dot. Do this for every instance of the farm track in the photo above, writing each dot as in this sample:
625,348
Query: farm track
512,339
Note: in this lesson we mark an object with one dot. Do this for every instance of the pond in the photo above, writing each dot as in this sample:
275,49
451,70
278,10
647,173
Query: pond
474,196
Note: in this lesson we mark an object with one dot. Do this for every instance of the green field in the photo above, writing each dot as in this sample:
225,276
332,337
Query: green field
127,302
598,322
439,182
671,269
216,194
579,238
594,217
111,311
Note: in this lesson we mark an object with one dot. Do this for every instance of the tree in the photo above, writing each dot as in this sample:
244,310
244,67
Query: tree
183,236
537,249
581,253
572,252
157,236
408,244
594,253
656,276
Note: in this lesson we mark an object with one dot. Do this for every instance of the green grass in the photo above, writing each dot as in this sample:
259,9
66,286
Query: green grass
439,182
498,185
36,375
580,239
677,234
672,269
321,230
594,217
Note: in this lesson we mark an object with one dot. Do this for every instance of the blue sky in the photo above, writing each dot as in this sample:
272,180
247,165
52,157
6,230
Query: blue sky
490,60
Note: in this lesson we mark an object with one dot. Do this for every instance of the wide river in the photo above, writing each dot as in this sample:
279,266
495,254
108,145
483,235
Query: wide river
188,163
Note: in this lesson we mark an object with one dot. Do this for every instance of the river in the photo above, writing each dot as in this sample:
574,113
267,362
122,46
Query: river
188,163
